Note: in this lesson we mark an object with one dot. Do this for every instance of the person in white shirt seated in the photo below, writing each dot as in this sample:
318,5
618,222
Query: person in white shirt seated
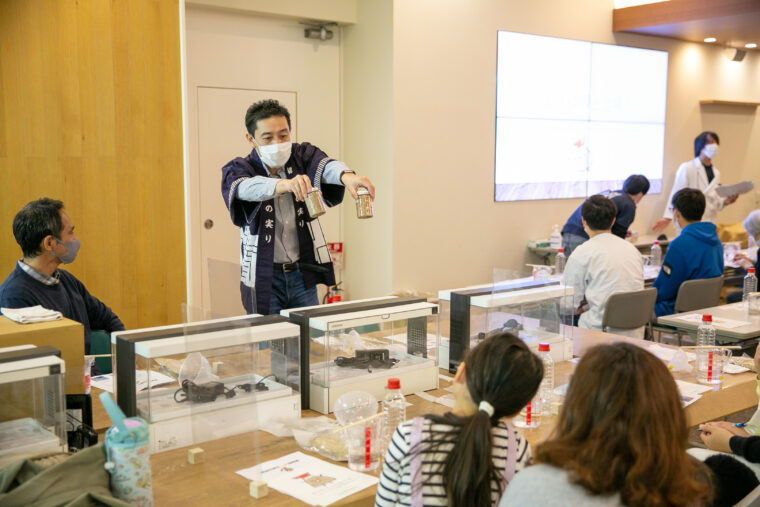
602,266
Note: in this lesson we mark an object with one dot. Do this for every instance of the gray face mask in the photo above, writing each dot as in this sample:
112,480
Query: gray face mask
72,248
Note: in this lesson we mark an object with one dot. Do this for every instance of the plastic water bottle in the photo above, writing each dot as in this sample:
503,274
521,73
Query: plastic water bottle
706,332
546,391
750,284
394,410
656,254
560,261
555,240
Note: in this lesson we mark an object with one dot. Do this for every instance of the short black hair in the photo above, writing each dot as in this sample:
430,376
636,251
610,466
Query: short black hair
598,212
636,183
262,110
36,221
701,140
690,203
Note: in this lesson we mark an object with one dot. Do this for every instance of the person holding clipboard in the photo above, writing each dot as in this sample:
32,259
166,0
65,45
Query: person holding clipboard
699,173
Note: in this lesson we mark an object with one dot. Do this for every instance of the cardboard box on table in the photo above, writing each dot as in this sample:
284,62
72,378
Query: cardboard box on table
65,335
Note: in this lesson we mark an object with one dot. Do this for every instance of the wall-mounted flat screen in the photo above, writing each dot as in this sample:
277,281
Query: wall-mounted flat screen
575,118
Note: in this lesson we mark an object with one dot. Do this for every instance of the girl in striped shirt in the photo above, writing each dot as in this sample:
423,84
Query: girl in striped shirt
466,456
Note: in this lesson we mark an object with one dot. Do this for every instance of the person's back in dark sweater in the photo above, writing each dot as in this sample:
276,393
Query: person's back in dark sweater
46,237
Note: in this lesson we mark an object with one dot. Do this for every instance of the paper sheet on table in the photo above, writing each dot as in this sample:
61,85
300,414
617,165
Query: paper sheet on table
737,188
691,392
446,400
105,382
666,353
734,368
716,321
310,480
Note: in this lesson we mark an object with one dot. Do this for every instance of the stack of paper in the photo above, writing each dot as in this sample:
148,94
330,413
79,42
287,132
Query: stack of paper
31,314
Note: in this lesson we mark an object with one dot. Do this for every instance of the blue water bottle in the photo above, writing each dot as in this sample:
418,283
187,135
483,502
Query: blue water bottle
128,455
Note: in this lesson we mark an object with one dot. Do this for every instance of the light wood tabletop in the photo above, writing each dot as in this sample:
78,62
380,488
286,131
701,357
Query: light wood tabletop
214,482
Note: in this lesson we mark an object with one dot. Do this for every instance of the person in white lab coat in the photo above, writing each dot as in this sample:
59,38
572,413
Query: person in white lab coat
698,173
602,266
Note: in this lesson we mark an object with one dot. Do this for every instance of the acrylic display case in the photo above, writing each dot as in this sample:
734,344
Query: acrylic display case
535,310
32,393
358,346
206,380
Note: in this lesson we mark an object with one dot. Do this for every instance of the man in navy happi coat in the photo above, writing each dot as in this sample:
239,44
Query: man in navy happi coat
46,237
283,254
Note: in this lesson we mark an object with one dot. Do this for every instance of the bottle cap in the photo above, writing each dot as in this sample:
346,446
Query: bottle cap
657,242
750,270
706,318
560,250
543,347
394,383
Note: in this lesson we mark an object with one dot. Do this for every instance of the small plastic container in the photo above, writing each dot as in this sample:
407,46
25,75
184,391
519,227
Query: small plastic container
315,205
364,205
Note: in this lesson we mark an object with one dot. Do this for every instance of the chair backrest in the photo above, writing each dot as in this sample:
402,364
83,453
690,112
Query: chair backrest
696,294
629,310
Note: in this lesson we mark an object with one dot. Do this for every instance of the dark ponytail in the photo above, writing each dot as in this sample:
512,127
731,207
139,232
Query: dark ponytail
505,373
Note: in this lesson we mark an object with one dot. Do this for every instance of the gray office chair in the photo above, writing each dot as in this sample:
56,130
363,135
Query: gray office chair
696,294
630,310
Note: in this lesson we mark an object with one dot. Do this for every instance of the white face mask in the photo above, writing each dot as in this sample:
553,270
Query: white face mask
710,150
275,155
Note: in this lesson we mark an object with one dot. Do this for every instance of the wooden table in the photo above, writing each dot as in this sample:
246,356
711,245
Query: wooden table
736,311
214,482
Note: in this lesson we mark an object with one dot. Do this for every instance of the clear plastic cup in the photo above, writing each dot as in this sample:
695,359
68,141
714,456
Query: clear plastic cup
753,303
710,363
365,443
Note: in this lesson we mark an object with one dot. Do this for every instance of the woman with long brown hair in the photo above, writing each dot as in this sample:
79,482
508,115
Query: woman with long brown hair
621,438
465,457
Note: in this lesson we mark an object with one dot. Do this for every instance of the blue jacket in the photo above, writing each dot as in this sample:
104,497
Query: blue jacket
696,253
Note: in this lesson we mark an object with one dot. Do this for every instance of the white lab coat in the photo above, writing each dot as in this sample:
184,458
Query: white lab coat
691,174
600,267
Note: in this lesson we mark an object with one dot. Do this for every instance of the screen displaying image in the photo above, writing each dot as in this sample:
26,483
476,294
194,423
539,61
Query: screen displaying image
574,118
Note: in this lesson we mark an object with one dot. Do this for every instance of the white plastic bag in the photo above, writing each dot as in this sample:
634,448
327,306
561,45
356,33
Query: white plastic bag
196,369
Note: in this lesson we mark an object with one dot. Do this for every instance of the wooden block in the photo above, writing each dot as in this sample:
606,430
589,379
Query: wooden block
258,489
195,455
216,367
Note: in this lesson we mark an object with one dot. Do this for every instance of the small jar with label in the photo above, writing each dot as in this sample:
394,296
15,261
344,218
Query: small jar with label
363,203
315,205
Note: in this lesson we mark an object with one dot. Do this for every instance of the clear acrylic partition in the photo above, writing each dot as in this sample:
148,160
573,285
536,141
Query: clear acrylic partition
224,289
359,350
535,306
218,379
32,420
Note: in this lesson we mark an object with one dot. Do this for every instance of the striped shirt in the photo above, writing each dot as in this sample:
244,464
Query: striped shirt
395,480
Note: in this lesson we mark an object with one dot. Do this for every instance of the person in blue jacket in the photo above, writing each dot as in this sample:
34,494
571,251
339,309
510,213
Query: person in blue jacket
696,253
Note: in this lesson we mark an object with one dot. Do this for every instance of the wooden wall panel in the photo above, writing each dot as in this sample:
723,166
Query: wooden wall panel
90,113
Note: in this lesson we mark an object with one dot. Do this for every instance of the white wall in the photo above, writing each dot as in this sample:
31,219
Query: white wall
447,231
367,138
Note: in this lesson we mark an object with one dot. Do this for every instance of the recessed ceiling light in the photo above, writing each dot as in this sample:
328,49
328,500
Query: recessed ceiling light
751,45
710,39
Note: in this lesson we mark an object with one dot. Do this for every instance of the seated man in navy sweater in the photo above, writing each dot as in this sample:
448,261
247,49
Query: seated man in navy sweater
46,237
696,253
635,187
